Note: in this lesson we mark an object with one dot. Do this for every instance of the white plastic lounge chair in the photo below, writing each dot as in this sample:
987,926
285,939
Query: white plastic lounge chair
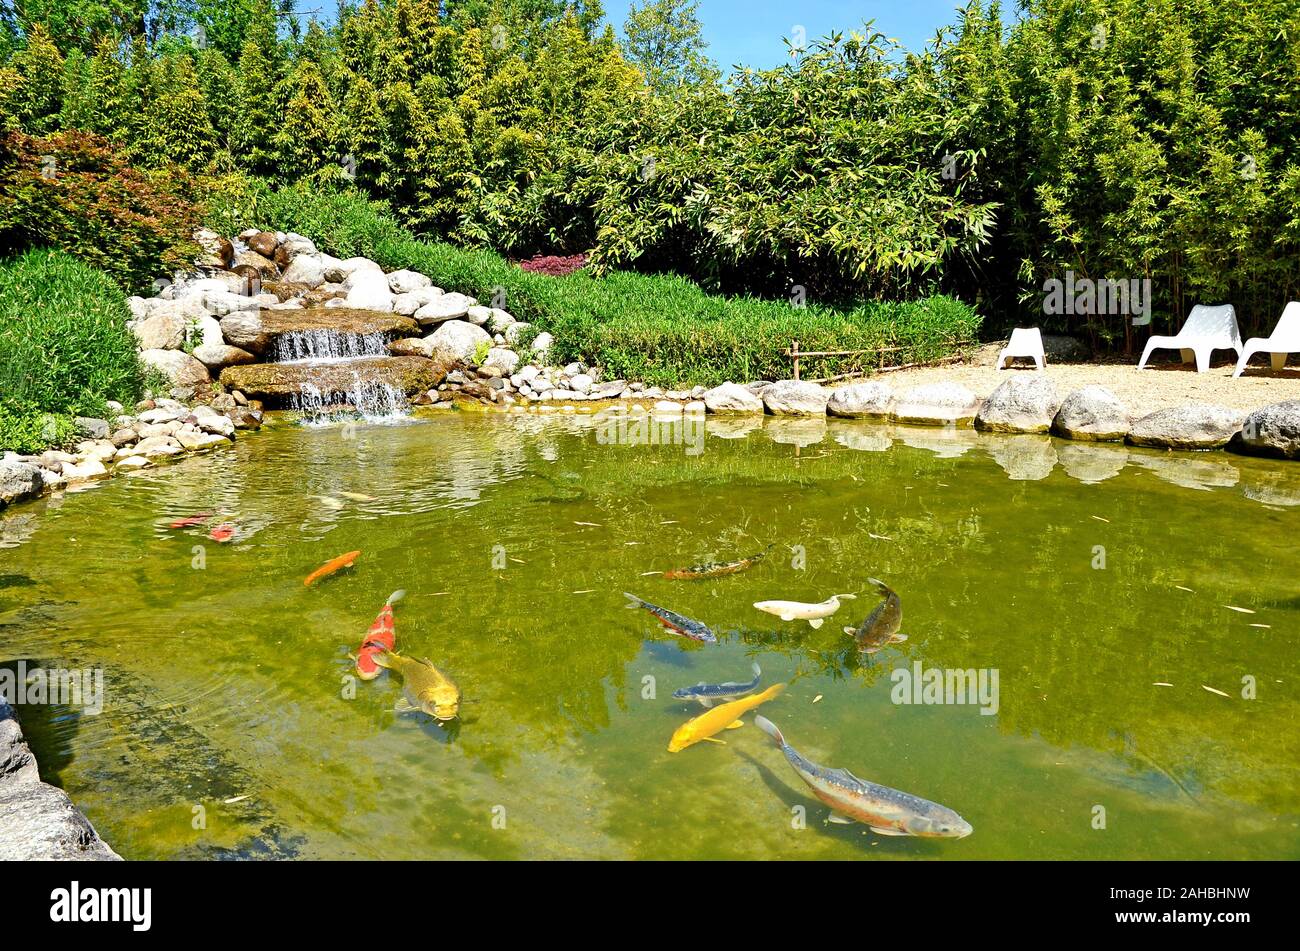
1207,329
1025,342
1284,339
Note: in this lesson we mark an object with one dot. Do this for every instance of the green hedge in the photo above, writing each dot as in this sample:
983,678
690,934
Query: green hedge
659,329
64,347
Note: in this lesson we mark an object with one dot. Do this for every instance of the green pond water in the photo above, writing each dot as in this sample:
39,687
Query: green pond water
228,730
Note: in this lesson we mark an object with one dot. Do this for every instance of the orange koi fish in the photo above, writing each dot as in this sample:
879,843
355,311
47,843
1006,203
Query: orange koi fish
222,533
191,520
331,566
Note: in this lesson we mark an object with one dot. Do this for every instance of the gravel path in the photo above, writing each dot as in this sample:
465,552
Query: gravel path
1156,387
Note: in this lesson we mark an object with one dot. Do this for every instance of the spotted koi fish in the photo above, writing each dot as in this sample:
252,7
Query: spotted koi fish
673,621
382,636
716,569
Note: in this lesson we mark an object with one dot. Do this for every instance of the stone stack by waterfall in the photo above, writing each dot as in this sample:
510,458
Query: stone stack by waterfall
271,316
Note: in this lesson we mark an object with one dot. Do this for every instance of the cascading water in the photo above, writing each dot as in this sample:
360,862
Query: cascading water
372,399
327,344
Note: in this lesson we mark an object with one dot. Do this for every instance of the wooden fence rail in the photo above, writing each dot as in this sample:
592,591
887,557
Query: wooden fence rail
795,354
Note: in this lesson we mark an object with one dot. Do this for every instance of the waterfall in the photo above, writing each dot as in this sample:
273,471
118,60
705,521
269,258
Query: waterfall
373,400
325,344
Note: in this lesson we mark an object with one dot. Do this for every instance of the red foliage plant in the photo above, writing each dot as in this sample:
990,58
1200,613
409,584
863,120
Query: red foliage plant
77,192
554,265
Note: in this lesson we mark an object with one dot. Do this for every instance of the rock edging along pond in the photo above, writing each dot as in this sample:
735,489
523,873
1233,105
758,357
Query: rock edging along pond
38,821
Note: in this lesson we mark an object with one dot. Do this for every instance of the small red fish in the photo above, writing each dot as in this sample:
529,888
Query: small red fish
191,520
222,533
381,637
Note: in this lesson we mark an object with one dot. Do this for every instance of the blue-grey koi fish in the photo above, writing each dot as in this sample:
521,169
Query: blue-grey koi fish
673,621
887,811
707,694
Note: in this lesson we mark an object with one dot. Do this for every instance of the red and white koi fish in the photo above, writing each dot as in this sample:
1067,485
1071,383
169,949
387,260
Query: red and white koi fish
382,636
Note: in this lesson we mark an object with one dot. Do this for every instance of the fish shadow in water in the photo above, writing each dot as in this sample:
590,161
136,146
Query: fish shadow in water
671,653
852,834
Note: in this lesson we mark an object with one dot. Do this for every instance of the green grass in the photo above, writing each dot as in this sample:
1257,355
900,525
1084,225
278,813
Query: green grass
64,348
659,329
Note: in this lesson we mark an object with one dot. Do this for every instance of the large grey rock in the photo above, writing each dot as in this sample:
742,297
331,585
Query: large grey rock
1024,403
1272,430
217,355
1187,427
1092,413
161,330
732,398
368,290
457,340
445,307
311,269
37,821
936,404
503,358
18,481
179,367
796,398
409,302
871,399
403,282
244,329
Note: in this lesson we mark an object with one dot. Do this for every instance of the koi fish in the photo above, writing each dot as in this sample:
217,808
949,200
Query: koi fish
331,566
814,614
357,497
382,635
425,688
707,694
222,533
673,621
725,717
191,520
881,626
716,569
886,811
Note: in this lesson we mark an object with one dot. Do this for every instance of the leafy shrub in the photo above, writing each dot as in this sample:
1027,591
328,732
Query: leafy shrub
657,328
76,192
25,429
64,345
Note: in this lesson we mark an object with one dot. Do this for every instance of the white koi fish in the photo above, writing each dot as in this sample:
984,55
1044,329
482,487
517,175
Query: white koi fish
814,614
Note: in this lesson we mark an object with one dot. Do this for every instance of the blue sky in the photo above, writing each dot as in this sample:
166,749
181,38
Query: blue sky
750,32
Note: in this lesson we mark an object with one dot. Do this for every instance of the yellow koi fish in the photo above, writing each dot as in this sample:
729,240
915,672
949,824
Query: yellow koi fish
725,717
